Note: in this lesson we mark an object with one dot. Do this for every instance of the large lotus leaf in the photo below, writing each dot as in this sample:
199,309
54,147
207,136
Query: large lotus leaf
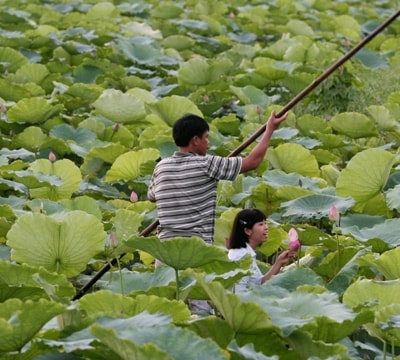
387,324
28,277
21,321
66,170
293,158
310,125
273,70
248,352
171,108
393,198
365,175
12,59
138,282
131,165
354,125
179,253
178,42
372,59
126,335
298,27
31,138
63,243
106,303
199,71
243,317
102,11
126,223
388,264
119,107
67,132
373,293
32,111
383,117
251,95
315,206
307,347
277,178
299,309
84,203
35,73
347,26
126,349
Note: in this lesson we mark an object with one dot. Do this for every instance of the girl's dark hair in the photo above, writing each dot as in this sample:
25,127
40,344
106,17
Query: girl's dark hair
188,126
245,218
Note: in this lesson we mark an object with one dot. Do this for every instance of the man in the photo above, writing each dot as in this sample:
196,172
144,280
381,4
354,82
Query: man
184,186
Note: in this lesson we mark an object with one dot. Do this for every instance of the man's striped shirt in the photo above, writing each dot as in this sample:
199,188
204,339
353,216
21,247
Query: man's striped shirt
184,187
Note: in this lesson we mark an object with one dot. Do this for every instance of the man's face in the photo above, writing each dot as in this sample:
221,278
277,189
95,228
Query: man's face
202,143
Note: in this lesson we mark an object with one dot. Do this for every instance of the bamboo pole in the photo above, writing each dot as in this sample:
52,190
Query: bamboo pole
254,136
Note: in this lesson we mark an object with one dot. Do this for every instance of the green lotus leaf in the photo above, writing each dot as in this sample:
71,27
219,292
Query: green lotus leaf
311,125
31,138
84,203
298,27
200,71
12,58
365,175
63,243
35,73
383,118
273,70
347,26
178,42
34,180
126,224
179,253
293,158
125,336
21,321
119,107
106,303
33,282
354,125
372,59
66,170
248,352
103,11
131,165
141,50
167,10
32,111
393,198
228,125
67,132
138,282
388,264
372,293
171,108
297,310
251,95
243,317
315,206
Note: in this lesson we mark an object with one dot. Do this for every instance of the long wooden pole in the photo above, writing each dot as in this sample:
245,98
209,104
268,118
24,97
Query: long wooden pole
253,137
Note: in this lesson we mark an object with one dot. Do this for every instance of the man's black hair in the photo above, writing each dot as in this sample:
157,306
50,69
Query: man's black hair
188,126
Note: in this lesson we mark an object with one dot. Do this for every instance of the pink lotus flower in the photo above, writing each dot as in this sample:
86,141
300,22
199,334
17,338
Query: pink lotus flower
294,242
334,214
133,197
52,156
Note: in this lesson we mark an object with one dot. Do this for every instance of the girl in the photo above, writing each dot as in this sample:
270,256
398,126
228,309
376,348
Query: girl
250,230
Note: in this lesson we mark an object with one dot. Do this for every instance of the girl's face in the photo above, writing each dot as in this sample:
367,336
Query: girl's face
258,234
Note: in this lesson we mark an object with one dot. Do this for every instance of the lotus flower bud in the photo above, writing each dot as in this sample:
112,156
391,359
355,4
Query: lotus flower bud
334,214
294,242
52,156
133,197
